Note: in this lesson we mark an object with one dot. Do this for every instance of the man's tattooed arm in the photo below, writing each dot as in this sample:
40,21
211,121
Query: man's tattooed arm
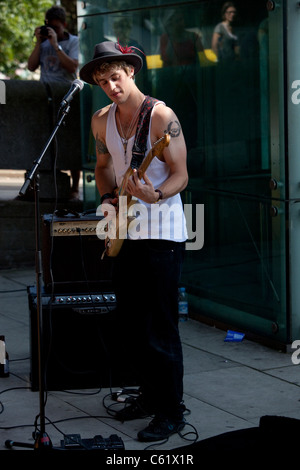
174,129
100,146
104,173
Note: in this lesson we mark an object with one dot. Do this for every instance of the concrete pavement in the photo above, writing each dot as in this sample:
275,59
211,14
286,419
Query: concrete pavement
228,386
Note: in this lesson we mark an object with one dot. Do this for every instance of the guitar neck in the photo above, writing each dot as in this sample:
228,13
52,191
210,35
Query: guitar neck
155,151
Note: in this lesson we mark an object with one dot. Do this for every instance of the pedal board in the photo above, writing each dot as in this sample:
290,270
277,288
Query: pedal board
74,442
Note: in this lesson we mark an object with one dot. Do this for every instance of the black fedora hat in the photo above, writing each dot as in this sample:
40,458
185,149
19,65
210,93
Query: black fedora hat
109,51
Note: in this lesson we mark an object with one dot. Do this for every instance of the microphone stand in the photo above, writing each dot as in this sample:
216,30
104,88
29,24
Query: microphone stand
42,440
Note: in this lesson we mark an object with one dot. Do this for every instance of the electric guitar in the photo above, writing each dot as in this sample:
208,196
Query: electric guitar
113,245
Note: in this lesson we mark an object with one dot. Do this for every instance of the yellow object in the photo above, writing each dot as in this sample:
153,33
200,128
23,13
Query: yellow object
208,57
154,61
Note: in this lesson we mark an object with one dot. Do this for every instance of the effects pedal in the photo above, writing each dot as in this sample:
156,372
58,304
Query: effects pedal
74,442
113,442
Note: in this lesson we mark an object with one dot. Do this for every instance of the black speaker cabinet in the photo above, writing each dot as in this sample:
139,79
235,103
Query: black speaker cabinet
79,347
72,253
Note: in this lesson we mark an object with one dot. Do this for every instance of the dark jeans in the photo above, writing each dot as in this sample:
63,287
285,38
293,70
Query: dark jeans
146,277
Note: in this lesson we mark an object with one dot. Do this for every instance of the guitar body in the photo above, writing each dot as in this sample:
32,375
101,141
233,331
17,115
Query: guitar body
122,220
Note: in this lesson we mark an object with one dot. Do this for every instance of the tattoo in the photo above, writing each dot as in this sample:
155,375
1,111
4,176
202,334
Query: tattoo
100,146
174,129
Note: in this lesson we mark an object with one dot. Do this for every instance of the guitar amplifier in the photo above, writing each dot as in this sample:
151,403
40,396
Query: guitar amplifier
79,341
72,254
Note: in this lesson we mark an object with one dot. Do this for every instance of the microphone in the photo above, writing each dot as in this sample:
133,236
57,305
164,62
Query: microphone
76,86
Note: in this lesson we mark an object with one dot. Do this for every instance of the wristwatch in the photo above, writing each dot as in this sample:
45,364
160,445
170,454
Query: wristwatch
160,195
59,48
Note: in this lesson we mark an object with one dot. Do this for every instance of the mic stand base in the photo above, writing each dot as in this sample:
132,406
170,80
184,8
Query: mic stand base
42,443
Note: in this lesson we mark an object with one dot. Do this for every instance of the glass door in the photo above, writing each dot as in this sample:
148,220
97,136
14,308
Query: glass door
237,170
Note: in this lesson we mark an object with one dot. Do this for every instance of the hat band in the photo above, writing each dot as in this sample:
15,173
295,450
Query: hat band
104,54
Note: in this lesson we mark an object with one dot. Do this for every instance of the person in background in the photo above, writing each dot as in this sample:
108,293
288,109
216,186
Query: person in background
56,52
225,43
178,45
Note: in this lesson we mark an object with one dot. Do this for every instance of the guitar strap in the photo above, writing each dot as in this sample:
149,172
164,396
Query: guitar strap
140,141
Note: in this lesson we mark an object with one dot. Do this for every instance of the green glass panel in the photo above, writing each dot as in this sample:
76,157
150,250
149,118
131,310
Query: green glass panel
230,106
239,274
95,7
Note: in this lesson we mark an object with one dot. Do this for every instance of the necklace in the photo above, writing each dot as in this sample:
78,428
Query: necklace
125,137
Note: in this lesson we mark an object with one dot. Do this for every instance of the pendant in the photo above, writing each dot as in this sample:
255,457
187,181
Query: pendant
125,142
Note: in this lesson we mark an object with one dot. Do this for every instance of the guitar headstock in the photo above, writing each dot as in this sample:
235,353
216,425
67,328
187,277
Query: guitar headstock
160,144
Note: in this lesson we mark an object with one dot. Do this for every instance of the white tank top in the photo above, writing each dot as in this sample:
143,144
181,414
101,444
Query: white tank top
164,220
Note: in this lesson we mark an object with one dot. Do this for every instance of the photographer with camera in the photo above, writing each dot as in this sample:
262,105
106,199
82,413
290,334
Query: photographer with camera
56,50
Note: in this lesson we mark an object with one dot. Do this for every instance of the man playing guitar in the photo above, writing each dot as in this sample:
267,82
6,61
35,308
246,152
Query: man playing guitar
148,266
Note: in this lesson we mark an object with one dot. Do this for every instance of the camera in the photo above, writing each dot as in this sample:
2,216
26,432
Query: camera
44,31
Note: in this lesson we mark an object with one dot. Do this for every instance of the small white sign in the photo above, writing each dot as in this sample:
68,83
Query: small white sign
2,92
